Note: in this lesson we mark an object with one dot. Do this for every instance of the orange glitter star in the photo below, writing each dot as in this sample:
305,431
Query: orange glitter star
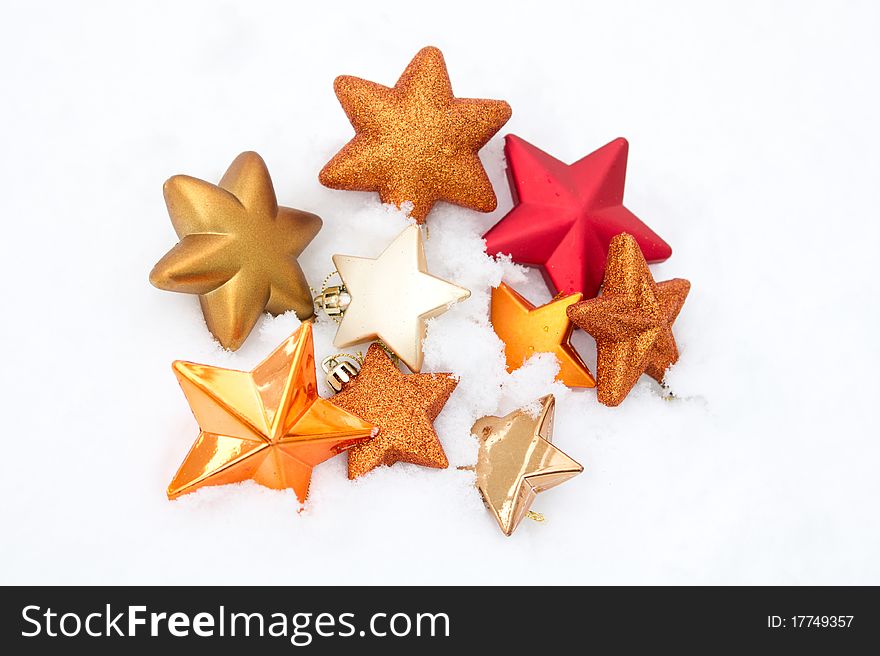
526,330
266,425
403,406
631,321
416,141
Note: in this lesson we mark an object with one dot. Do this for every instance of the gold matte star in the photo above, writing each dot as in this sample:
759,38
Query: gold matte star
526,330
403,407
267,425
392,296
416,141
237,249
517,461
631,321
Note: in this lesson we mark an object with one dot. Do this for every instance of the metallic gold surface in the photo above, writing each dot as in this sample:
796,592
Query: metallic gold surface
340,369
237,249
517,461
266,425
416,141
392,296
631,321
333,300
403,406
526,330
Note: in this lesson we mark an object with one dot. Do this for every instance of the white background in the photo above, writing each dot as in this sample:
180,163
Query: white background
753,152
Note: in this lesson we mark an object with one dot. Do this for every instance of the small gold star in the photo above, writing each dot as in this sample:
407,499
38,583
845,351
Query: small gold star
517,461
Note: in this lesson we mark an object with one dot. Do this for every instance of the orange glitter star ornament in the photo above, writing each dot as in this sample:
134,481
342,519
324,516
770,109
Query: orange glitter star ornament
266,425
416,141
403,406
631,321
526,330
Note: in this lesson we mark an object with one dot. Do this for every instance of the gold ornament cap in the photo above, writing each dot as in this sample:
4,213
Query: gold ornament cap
340,369
516,462
334,300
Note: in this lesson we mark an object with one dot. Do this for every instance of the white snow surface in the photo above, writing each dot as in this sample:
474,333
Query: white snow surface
754,151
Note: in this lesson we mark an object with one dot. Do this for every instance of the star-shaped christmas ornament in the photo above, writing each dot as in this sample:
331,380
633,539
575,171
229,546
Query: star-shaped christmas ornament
631,321
392,296
416,141
565,216
237,249
403,406
266,425
516,461
526,330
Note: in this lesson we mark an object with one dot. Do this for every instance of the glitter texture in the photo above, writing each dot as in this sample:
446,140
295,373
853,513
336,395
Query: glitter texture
565,215
237,249
416,141
267,425
631,321
526,330
517,461
403,406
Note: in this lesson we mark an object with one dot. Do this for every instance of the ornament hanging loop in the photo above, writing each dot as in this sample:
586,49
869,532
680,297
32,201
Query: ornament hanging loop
340,369
333,299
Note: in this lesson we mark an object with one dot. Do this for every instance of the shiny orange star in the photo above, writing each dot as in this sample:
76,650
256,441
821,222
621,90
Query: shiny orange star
266,425
526,330
403,406
416,141
631,321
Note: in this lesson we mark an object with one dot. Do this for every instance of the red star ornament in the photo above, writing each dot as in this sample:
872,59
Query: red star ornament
565,216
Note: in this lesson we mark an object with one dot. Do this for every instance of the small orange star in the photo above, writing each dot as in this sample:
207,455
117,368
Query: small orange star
631,321
416,141
266,425
403,406
526,330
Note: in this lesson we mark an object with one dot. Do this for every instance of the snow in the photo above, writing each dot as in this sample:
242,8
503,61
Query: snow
754,151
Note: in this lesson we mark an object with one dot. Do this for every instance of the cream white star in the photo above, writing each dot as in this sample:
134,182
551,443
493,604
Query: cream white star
392,296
